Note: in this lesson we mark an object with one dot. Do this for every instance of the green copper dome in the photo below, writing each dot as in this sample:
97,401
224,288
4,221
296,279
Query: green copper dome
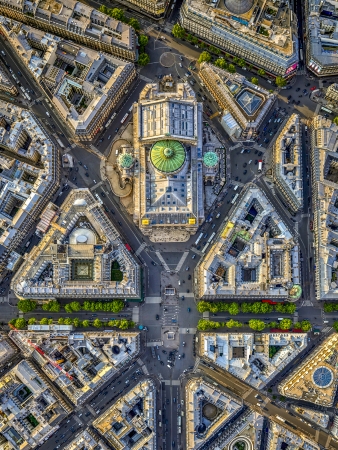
167,156
125,160
210,159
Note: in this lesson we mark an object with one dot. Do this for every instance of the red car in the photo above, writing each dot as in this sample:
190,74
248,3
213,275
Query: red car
313,88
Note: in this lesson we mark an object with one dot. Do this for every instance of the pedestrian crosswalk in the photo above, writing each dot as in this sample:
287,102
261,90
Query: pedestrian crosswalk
326,329
140,249
181,261
164,264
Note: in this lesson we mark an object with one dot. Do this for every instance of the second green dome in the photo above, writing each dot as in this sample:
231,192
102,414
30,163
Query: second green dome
167,156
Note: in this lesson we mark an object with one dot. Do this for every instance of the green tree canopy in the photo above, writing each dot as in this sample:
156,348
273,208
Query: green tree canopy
85,323
68,308
77,322
261,72
203,306
280,82
221,63
124,324
233,309
61,321
194,40
241,62
44,321
143,59
329,307
285,324
97,323
117,14
231,68
50,321
75,306
103,9
26,305
335,325
273,324
178,31
254,80
335,120
256,324
204,57
143,41
32,321
111,323
204,324
68,321
52,306
20,323
305,325
134,23
214,49
233,324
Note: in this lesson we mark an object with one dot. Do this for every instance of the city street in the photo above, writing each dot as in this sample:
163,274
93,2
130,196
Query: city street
169,55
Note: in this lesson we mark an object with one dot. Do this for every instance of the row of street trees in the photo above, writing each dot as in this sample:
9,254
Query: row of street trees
122,324
180,33
114,306
253,308
255,324
118,14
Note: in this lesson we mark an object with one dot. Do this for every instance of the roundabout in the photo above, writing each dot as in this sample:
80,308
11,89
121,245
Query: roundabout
167,59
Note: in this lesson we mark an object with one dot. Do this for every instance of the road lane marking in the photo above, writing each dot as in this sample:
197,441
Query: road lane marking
181,261
160,257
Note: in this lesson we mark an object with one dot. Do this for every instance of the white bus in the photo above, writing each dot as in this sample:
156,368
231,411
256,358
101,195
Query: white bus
211,237
260,165
124,118
60,143
234,199
199,238
326,110
205,247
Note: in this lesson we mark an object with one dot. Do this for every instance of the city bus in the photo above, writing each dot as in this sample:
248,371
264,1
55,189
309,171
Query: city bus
326,109
60,143
124,118
205,247
234,199
260,165
199,238
211,237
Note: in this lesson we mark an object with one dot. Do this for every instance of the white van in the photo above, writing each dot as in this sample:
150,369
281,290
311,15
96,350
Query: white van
117,152
47,113
250,161
180,64
236,187
3,53
243,150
